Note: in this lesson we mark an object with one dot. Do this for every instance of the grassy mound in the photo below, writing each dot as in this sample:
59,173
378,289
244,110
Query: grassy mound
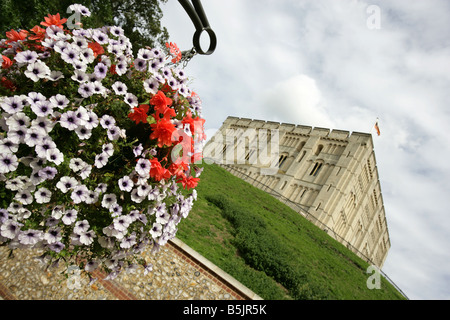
269,247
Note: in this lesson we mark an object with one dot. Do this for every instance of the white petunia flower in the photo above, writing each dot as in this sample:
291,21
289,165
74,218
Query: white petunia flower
151,86
80,42
107,121
70,54
45,144
128,242
87,238
8,162
121,223
131,100
79,194
7,146
42,195
86,89
24,197
18,120
17,135
101,160
115,210
109,200
30,237
108,149
92,196
114,133
145,54
76,164
156,230
43,123
36,178
55,75
83,133
69,120
119,88
34,97
55,156
143,167
12,104
80,76
10,229
48,173
135,197
80,9
91,266
98,88
91,121
26,56
53,235
70,216
100,71
140,65
66,183
100,37
126,184
59,101
116,31
87,56
37,70
42,108
81,226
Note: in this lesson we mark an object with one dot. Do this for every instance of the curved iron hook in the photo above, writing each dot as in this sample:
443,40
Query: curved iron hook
198,17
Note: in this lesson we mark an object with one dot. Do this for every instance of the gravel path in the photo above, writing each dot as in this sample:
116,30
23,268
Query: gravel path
176,276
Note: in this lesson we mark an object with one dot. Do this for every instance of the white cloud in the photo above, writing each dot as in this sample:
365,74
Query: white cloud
295,100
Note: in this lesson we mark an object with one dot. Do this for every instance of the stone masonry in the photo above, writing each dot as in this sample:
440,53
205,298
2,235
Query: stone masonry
329,176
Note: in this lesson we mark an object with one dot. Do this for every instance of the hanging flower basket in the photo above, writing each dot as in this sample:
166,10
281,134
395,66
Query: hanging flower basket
97,147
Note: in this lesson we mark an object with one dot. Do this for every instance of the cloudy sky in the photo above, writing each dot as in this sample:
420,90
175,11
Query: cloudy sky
342,65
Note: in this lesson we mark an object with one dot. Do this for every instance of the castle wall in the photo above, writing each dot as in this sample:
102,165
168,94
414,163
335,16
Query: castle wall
328,175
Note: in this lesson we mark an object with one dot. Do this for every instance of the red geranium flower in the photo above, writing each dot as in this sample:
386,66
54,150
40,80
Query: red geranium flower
178,168
157,171
14,36
39,33
54,20
7,63
161,103
195,125
97,48
112,69
8,84
139,114
188,182
160,99
174,51
165,132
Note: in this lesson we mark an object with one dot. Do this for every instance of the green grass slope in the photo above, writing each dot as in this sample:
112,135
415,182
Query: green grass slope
269,247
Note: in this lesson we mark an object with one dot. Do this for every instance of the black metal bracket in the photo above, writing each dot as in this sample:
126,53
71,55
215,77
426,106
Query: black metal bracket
198,17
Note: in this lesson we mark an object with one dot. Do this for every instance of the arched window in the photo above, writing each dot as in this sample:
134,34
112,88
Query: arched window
316,169
282,159
319,149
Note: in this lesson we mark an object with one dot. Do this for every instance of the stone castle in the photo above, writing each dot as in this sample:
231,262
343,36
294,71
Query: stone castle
328,176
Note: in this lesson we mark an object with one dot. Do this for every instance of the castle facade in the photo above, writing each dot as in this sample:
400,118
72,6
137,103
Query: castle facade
328,176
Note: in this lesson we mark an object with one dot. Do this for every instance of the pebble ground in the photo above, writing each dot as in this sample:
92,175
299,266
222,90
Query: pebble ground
175,276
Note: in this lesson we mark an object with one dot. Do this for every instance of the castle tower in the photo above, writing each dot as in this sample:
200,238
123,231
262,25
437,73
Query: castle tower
328,176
